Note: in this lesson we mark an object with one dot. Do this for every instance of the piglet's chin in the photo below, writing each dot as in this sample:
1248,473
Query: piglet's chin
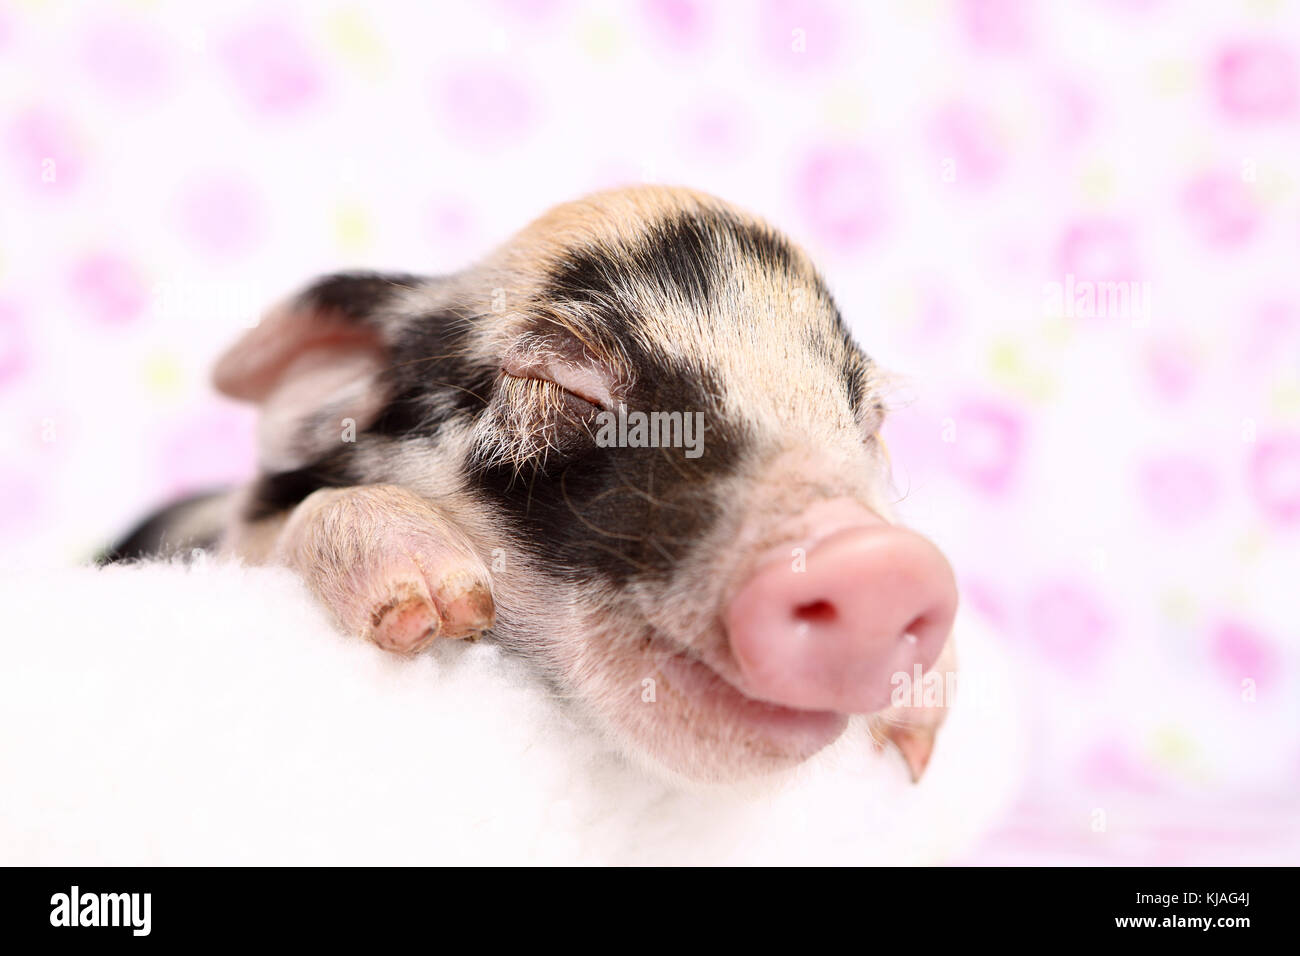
775,733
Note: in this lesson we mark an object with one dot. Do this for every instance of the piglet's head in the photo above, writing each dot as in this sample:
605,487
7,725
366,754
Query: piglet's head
649,419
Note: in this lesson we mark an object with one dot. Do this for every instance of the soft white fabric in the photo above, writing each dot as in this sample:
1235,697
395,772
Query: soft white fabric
211,715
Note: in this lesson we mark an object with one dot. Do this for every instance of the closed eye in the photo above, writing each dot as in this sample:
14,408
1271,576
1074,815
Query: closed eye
584,380
548,393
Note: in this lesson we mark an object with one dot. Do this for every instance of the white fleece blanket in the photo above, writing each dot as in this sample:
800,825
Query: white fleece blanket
211,715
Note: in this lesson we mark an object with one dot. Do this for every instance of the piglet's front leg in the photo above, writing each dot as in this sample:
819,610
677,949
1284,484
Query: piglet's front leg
388,565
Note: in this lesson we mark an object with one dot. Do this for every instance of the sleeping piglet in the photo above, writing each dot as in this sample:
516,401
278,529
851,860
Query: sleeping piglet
636,445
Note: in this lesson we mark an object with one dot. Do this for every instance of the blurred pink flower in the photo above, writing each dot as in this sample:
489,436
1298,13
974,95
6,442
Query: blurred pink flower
986,445
1242,653
451,220
716,132
1071,112
125,59
109,288
1179,489
679,23
1221,209
799,35
535,10
215,447
937,320
15,350
967,135
46,151
1256,80
272,67
221,215
1275,478
1067,623
1109,765
21,503
998,25
1171,369
841,190
984,598
1273,334
486,106
1099,250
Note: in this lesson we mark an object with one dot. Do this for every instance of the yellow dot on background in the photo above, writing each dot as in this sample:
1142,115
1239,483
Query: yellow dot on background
1172,745
1057,331
600,39
1179,606
163,375
351,226
1005,359
846,110
1008,367
1271,187
925,9
1286,400
1172,76
1097,182
352,38
1250,545
902,301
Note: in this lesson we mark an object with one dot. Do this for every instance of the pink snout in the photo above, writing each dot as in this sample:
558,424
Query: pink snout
829,631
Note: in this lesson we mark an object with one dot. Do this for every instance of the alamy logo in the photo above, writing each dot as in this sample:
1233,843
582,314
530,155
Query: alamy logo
102,909
1084,299
624,429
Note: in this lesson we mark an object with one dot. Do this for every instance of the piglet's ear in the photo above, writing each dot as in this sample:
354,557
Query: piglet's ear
337,312
312,365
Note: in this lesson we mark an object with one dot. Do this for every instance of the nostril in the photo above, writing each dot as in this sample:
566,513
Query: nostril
816,612
920,625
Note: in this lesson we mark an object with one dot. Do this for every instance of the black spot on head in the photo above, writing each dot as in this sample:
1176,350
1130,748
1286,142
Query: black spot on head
690,253
612,514
685,256
679,255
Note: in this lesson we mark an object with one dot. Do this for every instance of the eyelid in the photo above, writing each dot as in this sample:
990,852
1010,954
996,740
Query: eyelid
581,379
533,388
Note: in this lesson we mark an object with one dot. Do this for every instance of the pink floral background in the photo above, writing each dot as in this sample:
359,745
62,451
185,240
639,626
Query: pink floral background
1118,485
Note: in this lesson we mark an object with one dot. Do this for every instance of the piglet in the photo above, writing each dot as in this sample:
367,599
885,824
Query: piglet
636,445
